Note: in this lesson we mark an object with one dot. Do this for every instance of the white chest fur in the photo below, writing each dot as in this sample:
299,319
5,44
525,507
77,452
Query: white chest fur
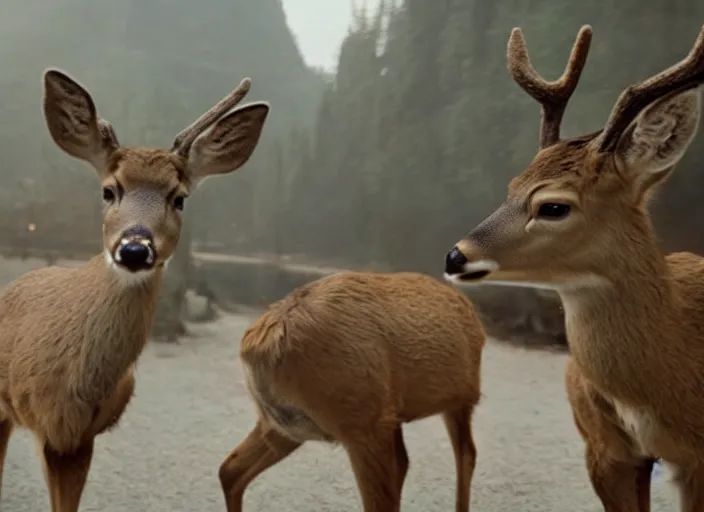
640,425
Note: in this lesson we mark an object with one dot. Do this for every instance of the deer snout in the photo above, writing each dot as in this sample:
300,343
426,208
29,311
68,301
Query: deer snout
455,261
464,263
135,250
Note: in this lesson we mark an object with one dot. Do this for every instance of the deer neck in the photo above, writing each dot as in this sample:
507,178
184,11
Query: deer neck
119,315
622,327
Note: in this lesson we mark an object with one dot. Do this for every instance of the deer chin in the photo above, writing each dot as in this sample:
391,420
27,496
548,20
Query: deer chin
473,272
476,274
489,272
126,277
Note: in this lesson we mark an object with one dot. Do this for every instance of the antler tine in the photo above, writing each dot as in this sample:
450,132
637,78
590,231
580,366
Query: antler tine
184,140
552,96
686,74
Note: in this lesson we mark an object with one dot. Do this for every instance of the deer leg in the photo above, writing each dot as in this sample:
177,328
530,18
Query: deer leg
6,428
621,486
375,462
401,458
262,448
643,481
66,475
459,426
619,476
108,413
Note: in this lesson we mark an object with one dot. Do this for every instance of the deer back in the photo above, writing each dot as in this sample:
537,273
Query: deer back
399,341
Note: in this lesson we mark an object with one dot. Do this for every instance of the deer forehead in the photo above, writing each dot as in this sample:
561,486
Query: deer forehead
565,165
136,168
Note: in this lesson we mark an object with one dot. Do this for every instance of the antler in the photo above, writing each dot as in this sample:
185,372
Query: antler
184,140
552,96
686,74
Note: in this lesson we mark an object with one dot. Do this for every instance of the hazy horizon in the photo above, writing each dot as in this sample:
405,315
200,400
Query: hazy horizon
319,27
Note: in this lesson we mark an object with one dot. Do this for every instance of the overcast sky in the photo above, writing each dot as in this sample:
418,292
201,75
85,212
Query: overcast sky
319,26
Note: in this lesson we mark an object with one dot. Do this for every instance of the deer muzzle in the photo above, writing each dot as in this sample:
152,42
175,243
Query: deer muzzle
463,263
135,251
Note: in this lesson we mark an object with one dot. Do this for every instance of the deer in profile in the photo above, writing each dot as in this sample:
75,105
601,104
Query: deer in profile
69,338
576,221
348,359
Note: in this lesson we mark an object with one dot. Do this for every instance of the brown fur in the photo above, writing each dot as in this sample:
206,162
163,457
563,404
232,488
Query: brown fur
348,359
634,317
70,338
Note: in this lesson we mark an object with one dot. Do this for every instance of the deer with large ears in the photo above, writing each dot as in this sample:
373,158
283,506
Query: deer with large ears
69,338
576,221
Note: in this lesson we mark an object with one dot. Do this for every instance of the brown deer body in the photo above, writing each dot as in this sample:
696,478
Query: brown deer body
69,338
348,359
576,221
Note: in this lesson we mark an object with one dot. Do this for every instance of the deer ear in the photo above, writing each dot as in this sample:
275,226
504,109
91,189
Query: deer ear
73,120
658,138
229,143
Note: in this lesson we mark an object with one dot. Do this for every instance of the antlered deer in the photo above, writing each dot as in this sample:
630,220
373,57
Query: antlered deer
69,338
348,359
576,220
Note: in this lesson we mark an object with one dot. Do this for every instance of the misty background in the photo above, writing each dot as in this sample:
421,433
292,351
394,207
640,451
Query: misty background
395,128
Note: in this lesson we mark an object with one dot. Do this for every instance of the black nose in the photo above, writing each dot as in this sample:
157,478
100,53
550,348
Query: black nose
455,262
135,256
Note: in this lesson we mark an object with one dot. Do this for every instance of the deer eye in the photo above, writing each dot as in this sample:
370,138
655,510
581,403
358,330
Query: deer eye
178,202
109,194
553,211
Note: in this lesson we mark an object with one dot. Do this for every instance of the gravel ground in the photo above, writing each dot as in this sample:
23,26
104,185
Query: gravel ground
191,409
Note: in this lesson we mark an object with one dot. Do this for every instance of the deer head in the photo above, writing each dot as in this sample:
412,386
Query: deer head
579,210
144,189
